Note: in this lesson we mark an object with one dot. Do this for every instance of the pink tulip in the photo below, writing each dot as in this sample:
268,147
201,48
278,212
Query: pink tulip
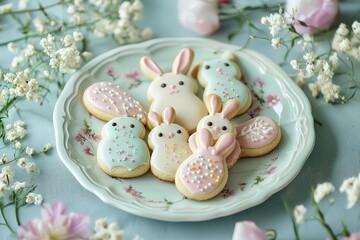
200,16
248,230
316,14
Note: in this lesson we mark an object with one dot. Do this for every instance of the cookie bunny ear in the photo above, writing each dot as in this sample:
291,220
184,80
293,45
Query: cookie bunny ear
150,68
229,55
213,103
154,118
204,137
168,115
195,70
183,61
230,109
224,145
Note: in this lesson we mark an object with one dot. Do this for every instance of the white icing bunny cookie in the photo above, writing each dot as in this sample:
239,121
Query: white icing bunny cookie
204,174
174,89
258,136
222,76
169,144
122,152
107,100
218,123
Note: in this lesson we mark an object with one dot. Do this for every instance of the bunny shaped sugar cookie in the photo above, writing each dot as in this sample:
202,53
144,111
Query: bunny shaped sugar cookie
222,76
218,123
122,152
204,174
169,144
174,89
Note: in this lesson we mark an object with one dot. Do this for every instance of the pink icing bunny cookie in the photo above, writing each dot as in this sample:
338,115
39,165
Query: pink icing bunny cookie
204,174
107,100
218,123
174,89
169,144
222,76
121,151
258,136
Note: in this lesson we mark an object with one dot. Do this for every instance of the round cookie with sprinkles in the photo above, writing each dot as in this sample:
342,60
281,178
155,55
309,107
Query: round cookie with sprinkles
204,174
106,100
221,76
122,152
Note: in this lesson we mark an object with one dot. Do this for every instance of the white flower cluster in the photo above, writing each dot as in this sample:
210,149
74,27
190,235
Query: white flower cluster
104,230
351,187
67,58
299,213
5,8
121,26
322,190
277,23
21,84
346,41
15,132
324,69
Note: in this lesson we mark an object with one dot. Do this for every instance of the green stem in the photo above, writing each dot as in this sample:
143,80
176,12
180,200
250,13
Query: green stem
33,9
17,211
321,217
5,220
295,227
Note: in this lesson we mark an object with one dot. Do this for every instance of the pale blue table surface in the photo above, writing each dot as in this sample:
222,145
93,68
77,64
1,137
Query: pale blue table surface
336,156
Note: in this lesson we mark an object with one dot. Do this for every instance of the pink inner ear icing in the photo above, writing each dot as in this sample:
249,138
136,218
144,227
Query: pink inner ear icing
153,117
151,66
205,137
214,104
168,114
184,61
229,108
224,144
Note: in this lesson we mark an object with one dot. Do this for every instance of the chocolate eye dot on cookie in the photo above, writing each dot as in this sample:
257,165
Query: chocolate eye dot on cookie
160,134
207,67
226,64
209,124
132,125
181,83
178,131
224,128
163,85
114,124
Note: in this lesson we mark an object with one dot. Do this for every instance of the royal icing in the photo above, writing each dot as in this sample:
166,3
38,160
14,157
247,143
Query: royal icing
205,169
170,143
175,89
110,98
220,77
122,146
257,132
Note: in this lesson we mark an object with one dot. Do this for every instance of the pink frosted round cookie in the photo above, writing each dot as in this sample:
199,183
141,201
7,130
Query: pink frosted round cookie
258,136
107,100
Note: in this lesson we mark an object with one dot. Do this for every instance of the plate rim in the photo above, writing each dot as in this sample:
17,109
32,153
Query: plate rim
261,196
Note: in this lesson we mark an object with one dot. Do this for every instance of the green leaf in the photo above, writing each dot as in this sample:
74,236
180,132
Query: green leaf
302,23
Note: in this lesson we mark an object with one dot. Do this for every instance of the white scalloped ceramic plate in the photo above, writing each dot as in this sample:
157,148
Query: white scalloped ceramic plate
251,181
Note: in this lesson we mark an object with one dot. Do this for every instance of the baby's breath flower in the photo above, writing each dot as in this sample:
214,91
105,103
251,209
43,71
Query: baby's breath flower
39,25
17,145
46,147
5,8
276,42
7,174
322,190
22,163
29,50
22,5
78,36
29,151
351,187
299,213
356,28
103,230
12,48
30,167
87,55
34,198
3,189
4,158
18,185
68,40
